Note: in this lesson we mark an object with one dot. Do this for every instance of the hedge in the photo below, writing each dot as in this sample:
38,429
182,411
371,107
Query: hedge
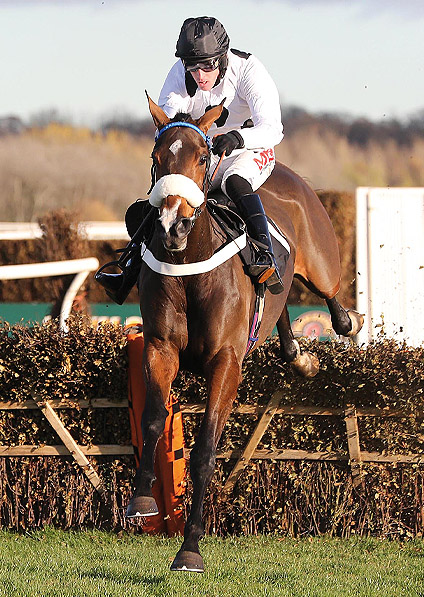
294,498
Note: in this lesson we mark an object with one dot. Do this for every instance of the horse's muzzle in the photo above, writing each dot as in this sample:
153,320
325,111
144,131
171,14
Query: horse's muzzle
174,245
176,238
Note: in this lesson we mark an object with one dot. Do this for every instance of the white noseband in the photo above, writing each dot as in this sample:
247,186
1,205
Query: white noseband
176,184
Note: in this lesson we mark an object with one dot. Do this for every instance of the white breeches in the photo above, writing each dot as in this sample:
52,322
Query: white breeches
254,165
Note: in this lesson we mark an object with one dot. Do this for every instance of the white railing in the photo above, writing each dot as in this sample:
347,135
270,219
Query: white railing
91,230
80,267
390,263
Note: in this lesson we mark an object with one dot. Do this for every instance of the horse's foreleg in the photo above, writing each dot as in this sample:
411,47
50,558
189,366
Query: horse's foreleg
223,376
345,323
305,363
160,362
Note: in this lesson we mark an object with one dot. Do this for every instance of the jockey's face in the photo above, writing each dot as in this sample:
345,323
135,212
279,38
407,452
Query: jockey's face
205,80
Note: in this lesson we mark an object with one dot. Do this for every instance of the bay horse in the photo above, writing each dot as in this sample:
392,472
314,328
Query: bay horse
201,322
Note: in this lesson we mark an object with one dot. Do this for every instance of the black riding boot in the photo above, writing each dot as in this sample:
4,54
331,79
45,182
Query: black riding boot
265,269
119,285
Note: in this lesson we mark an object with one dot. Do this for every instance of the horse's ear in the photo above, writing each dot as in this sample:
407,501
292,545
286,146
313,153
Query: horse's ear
206,121
158,115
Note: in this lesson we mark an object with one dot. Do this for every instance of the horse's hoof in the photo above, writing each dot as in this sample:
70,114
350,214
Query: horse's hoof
306,364
188,561
141,506
357,322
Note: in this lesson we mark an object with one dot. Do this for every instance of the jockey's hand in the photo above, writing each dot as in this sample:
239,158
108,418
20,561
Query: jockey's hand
228,143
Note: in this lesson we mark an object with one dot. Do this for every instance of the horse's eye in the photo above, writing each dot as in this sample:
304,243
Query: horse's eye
203,159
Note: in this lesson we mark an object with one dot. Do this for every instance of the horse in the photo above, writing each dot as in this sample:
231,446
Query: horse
201,322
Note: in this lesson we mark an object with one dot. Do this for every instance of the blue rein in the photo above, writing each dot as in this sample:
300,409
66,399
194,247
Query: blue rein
188,125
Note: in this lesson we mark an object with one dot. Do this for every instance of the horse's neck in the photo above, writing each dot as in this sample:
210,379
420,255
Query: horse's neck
201,242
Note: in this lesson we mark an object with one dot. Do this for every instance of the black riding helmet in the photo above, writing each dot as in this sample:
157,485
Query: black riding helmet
202,38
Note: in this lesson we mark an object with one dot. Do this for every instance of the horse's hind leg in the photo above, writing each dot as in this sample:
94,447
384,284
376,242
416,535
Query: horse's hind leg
305,363
345,323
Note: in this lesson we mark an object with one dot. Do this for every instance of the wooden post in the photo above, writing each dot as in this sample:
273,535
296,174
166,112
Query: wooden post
256,437
71,445
351,420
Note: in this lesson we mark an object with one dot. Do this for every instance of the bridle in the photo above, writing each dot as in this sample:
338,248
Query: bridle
206,179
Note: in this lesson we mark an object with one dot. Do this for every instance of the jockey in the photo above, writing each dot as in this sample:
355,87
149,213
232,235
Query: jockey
206,73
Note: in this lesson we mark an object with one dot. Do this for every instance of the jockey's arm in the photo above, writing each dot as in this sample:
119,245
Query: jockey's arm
259,91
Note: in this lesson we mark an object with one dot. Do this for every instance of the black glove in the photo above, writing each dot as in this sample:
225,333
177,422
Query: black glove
228,143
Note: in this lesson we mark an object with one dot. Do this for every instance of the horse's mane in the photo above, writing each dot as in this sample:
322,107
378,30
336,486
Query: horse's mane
182,117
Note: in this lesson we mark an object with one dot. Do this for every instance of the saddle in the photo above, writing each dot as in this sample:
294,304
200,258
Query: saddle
224,211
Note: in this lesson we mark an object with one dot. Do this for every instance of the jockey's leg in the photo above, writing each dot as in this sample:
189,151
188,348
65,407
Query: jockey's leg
139,222
249,204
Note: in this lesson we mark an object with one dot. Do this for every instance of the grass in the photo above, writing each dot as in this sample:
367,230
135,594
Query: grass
93,563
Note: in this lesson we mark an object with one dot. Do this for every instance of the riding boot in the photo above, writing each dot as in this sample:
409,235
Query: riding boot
265,268
119,285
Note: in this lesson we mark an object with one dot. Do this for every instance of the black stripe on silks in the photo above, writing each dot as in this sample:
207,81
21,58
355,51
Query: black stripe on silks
240,54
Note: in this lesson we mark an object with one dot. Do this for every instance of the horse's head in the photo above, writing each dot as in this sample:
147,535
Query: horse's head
181,158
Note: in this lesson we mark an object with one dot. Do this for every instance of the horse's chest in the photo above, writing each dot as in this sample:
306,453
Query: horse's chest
200,315
185,329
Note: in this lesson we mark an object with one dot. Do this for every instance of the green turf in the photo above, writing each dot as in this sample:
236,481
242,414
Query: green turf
92,563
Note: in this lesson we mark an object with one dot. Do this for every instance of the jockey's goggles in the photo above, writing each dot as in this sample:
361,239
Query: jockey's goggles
207,65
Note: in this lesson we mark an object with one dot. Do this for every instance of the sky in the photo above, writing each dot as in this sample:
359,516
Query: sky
93,59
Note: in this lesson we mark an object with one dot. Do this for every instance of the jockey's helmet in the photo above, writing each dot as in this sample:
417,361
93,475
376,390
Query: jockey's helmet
202,38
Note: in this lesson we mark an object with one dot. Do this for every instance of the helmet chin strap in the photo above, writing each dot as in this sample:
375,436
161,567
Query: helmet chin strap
223,64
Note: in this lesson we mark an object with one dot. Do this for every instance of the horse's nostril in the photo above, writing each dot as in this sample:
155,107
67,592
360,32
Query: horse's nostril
183,226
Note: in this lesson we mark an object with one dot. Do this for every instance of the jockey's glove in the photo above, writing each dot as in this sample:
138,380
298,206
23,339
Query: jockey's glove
228,143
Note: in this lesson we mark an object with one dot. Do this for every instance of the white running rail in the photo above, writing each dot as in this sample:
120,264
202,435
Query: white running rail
91,230
80,267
